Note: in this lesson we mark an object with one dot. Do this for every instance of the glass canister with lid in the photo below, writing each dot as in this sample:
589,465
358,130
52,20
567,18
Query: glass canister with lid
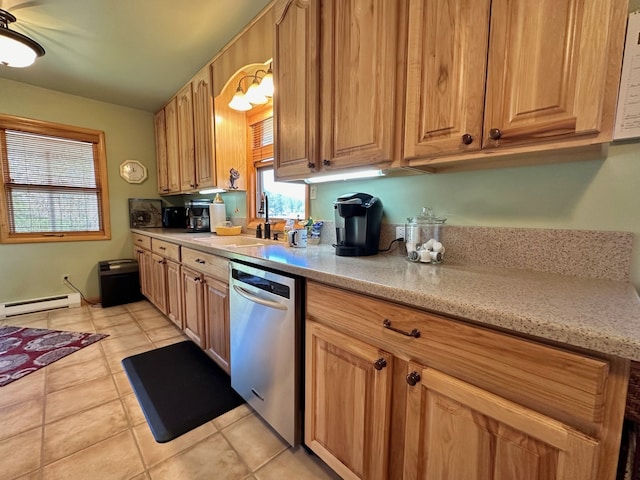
422,237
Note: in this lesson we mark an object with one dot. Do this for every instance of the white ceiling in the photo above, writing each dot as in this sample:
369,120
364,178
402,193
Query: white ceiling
135,53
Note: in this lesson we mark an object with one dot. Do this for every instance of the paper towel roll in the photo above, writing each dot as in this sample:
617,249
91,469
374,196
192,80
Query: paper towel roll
217,215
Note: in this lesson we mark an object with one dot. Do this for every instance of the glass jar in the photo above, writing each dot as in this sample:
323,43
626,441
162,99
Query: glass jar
422,237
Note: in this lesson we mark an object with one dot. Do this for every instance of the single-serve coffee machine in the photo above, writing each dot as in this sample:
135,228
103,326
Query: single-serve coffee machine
197,215
358,219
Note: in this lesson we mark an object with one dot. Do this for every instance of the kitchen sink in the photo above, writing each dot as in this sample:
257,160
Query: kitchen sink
233,241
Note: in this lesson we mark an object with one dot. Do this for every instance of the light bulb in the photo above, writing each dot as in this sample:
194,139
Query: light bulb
254,95
266,84
239,101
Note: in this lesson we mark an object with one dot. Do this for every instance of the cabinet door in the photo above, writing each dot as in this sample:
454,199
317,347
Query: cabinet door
144,267
158,282
455,431
348,402
216,317
184,109
173,148
446,70
547,70
174,293
358,88
203,128
296,99
193,305
161,152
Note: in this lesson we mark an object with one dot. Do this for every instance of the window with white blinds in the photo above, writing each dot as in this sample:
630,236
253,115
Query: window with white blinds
53,185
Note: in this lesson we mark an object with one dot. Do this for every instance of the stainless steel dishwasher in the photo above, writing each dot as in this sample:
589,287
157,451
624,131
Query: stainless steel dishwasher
265,327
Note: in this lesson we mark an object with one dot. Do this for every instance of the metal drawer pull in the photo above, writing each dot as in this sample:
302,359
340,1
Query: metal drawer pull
200,261
413,378
257,394
162,248
415,333
379,364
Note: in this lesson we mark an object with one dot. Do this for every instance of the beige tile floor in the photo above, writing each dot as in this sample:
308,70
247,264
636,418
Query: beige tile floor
79,419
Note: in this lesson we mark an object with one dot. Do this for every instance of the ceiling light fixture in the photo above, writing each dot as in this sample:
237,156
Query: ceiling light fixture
258,93
16,50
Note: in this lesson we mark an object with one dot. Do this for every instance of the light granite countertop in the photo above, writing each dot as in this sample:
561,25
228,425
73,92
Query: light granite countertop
600,315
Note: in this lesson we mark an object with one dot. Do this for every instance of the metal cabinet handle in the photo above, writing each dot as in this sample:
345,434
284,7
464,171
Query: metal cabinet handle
202,262
467,139
196,279
495,133
415,333
413,378
162,248
379,364
326,162
311,165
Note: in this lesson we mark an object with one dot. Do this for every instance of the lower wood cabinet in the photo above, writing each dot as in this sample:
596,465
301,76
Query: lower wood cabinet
396,392
193,305
457,431
158,291
216,319
348,403
206,314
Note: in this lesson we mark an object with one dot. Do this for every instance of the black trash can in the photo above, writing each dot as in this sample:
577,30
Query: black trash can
119,282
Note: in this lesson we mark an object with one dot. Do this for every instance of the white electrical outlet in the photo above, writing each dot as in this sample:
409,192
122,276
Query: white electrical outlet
64,277
313,192
399,232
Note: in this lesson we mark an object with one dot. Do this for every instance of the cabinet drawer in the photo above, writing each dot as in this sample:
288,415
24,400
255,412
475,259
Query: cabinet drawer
542,377
166,249
142,241
217,267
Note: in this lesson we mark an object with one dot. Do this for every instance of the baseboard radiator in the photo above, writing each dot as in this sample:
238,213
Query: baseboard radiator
10,309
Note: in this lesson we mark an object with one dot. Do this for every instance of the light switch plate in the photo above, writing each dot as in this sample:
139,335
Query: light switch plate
399,232
313,192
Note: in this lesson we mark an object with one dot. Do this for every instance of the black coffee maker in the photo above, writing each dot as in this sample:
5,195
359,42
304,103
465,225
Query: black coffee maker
358,219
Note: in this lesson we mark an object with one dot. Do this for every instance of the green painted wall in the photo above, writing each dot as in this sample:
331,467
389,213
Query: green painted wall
35,270
602,194
594,193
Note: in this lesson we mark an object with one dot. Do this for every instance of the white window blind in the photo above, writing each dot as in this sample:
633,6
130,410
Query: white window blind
52,184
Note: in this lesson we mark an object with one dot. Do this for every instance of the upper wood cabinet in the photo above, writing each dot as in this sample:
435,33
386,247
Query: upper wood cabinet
203,128
296,100
358,58
446,64
167,148
186,157
551,76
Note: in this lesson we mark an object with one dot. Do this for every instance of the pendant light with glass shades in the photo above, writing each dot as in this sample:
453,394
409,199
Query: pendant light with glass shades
258,93
16,49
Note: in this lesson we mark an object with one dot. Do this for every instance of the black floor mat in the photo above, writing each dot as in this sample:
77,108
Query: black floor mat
179,388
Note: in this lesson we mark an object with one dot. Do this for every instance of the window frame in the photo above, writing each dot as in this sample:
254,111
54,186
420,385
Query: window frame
40,127
254,116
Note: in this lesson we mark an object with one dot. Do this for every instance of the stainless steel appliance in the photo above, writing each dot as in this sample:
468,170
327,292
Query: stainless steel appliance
197,215
358,219
265,345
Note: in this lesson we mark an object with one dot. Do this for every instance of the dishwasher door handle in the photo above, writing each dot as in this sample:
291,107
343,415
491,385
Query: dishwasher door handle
267,303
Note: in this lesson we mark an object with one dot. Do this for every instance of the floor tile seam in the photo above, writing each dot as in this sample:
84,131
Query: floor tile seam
103,402
39,469
237,452
77,384
59,367
149,467
86,446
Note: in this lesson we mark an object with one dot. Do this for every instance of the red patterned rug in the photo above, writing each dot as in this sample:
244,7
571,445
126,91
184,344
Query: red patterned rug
25,350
